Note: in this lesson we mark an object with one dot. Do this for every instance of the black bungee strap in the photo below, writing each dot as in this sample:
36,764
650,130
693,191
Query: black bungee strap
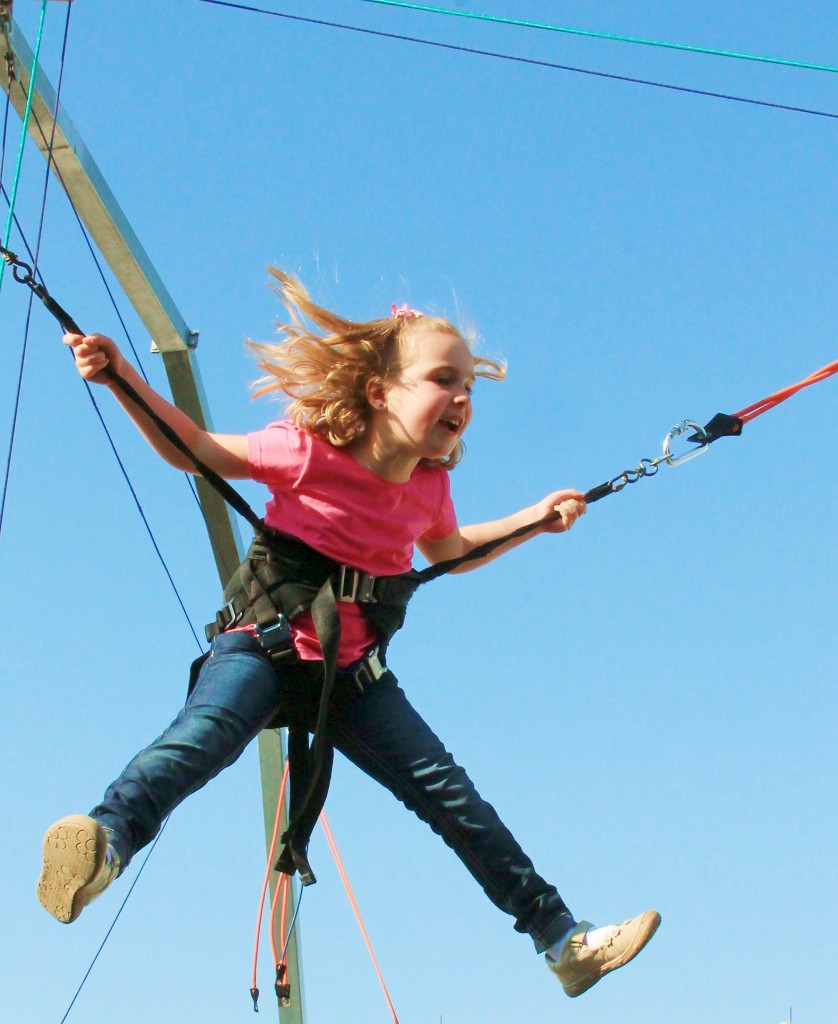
22,272
313,779
721,425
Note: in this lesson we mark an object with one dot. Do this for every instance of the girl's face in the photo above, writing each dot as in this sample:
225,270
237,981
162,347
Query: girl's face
427,406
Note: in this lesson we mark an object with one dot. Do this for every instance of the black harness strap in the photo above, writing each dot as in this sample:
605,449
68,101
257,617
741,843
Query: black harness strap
306,806
228,493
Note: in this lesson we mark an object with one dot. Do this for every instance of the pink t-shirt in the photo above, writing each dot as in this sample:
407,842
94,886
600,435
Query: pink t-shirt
322,496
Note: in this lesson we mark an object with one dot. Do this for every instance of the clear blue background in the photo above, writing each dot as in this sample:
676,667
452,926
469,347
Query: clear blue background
649,701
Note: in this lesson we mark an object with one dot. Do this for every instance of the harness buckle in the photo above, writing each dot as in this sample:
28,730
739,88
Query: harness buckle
347,583
277,641
371,669
228,616
224,619
356,585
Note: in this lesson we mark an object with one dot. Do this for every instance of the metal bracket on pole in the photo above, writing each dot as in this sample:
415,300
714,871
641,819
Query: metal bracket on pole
6,30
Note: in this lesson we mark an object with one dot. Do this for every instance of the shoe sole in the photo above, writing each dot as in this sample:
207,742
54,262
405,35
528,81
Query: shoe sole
74,851
649,924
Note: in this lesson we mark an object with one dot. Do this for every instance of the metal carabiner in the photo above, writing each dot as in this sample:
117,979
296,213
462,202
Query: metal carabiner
24,277
702,440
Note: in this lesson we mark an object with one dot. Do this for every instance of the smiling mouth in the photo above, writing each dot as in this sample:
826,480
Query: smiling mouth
452,426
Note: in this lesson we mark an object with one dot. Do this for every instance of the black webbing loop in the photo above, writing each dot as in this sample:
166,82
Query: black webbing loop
306,808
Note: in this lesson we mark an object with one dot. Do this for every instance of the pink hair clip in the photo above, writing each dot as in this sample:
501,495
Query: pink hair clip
403,312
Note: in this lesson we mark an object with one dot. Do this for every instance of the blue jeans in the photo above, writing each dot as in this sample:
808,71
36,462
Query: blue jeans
238,693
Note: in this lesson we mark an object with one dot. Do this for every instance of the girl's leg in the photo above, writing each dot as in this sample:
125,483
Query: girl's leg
236,694
382,733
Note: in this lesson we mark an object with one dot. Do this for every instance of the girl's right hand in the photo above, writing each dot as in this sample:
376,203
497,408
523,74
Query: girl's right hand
93,352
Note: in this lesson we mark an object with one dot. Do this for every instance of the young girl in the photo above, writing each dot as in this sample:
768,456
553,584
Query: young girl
359,473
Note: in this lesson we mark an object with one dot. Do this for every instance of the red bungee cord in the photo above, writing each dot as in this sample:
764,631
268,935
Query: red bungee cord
758,408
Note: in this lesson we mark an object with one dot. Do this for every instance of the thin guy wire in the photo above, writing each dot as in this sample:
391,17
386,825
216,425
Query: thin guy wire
24,126
525,60
114,449
34,257
113,923
5,133
189,481
17,397
610,36
108,435
119,462
15,410
56,170
292,925
97,264
41,220
141,511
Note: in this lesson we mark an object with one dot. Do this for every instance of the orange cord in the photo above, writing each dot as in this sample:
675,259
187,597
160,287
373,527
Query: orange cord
751,411
271,853
283,892
330,839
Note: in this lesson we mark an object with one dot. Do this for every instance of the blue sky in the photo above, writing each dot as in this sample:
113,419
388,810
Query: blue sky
649,701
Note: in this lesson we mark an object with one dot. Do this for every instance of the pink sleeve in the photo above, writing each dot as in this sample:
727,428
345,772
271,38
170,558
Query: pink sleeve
446,520
277,454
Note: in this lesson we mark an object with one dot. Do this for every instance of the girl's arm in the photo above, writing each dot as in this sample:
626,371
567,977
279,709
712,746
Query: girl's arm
570,504
225,453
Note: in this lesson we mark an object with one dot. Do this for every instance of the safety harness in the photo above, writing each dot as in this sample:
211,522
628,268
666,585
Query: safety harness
280,578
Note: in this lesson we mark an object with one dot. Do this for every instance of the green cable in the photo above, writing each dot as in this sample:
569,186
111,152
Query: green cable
602,35
13,196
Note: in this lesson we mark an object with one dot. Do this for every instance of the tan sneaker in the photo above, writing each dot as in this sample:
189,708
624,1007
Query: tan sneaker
579,967
78,866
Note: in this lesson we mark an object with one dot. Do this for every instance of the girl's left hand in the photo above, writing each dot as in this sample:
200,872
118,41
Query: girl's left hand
569,504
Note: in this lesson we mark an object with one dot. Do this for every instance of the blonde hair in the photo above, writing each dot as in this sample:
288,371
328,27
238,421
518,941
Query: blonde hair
325,363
